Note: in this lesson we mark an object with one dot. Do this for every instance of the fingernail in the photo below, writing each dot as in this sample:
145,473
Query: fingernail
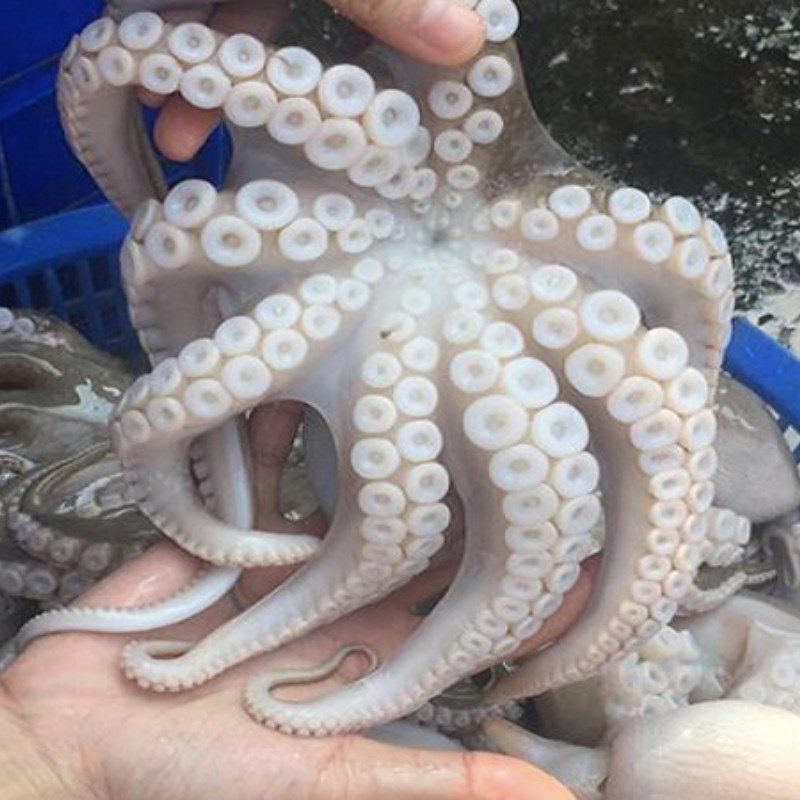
445,26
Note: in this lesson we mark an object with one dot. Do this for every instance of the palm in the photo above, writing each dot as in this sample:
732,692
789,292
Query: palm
198,744
189,745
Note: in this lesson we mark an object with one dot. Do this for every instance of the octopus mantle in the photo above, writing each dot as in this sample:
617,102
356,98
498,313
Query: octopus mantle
472,315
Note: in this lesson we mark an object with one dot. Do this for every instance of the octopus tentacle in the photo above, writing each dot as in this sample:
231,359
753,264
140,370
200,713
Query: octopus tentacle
750,646
619,377
25,577
462,708
179,252
237,75
201,594
104,124
508,422
250,359
584,770
701,599
88,547
400,524
674,264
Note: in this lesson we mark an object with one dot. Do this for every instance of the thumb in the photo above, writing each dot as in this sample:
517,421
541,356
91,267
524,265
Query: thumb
440,31
360,769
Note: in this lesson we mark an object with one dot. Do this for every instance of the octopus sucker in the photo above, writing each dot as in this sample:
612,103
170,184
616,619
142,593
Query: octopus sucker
405,250
645,524
400,528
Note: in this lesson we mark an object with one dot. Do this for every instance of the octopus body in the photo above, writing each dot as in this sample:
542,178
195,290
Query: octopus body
469,312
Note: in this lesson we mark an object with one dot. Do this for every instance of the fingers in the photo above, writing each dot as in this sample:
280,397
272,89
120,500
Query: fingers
360,769
271,431
439,31
181,129
574,602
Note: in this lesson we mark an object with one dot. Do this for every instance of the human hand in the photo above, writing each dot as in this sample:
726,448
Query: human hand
73,727
439,31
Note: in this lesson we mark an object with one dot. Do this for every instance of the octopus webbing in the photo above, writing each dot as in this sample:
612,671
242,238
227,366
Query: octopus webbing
471,313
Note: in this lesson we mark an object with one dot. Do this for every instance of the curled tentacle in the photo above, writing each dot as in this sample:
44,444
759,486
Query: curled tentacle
251,359
398,525
206,590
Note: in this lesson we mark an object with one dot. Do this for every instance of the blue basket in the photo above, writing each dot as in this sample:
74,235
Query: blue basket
68,265
771,371
39,175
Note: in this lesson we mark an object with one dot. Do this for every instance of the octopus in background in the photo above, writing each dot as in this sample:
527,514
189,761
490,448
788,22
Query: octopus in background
721,689
65,521
474,321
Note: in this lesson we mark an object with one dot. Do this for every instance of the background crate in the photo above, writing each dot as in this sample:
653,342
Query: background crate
771,371
68,265
59,240
38,174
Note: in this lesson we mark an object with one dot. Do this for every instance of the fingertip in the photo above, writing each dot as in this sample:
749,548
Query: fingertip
181,129
438,31
160,571
494,777
452,34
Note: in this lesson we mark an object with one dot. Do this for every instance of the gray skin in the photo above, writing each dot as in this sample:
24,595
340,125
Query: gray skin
781,540
56,391
757,476
65,521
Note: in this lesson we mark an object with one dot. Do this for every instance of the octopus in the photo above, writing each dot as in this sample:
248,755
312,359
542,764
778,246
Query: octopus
65,519
476,323
730,677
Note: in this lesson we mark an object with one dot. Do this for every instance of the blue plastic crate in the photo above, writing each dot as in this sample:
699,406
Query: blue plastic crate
68,265
771,371
38,174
